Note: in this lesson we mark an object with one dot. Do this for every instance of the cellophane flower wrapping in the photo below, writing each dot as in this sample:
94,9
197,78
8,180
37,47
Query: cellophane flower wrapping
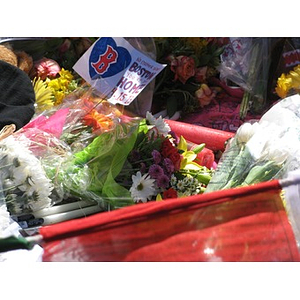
40,162
87,149
261,150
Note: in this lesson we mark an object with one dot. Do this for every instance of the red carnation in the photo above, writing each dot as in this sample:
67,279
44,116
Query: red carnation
171,152
169,194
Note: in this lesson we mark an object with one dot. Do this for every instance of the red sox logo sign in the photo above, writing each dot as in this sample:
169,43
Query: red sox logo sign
107,59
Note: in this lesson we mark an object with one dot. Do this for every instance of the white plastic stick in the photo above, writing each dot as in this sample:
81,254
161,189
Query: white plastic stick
61,208
64,216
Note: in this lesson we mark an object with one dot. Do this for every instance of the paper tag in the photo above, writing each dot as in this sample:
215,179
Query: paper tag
116,69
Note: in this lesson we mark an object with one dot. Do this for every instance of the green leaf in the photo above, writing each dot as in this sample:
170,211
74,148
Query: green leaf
199,148
204,59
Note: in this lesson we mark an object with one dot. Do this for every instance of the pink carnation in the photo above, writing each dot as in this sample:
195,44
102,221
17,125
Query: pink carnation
46,67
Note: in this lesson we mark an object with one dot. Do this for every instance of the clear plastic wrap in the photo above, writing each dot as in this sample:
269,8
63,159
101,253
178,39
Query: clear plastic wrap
143,102
39,167
246,62
87,149
261,151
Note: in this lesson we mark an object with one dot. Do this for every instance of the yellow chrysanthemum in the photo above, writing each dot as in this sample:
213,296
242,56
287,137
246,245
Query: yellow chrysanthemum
284,84
295,76
59,96
66,74
44,98
63,83
61,86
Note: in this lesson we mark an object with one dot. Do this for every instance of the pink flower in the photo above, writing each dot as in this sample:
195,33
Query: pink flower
46,67
183,67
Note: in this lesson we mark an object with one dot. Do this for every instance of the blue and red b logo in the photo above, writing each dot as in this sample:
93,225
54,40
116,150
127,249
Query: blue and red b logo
107,59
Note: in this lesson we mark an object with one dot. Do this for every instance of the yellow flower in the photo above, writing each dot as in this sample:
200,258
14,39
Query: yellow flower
284,84
295,76
66,74
63,83
59,96
188,156
61,86
53,84
43,95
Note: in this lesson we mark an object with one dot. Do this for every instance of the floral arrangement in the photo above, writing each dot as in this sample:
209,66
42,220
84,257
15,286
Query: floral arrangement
261,150
191,62
162,166
87,149
51,73
52,84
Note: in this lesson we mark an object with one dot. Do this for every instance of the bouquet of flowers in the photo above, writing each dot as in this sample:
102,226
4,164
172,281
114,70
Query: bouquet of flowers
183,85
161,166
262,150
87,149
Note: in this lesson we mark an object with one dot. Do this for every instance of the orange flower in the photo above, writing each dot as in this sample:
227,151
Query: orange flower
98,121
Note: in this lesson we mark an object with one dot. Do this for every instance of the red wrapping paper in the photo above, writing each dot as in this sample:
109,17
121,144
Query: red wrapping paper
243,224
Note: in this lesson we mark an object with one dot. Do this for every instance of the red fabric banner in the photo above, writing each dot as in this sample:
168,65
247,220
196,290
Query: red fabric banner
242,224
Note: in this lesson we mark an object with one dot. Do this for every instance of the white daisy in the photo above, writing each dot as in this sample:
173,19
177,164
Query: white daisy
162,127
142,187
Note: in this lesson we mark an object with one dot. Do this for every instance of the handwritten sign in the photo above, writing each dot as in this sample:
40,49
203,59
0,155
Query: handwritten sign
116,69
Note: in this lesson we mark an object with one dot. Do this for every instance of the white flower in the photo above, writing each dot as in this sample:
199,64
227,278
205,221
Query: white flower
162,127
142,188
275,151
180,185
266,132
24,175
245,132
173,180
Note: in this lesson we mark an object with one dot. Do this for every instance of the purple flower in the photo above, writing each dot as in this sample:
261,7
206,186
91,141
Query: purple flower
156,156
163,181
169,166
156,171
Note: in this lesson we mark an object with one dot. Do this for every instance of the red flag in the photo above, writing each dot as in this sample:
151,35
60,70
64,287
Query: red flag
242,224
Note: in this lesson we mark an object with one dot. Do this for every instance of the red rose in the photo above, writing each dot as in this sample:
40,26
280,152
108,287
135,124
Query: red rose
205,158
170,193
183,67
